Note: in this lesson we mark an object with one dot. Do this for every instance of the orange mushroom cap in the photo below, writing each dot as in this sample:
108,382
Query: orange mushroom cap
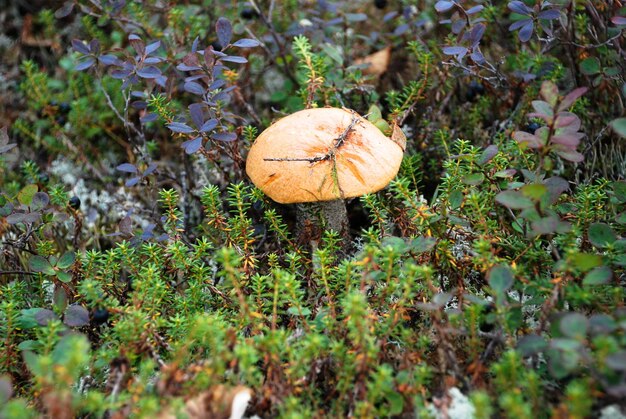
321,155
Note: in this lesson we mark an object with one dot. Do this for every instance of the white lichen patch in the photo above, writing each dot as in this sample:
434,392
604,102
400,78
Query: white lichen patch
455,405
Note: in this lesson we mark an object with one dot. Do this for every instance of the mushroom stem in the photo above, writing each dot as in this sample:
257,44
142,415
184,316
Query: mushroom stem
316,217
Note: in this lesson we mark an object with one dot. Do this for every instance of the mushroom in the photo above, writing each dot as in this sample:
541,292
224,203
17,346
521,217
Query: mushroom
323,156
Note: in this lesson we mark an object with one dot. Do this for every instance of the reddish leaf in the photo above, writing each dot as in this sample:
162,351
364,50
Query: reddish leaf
529,139
570,98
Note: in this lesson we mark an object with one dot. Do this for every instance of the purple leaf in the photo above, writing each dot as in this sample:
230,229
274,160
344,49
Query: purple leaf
185,67
40,201
151,168
180,127
132,181
247,43
389,16
109,59
476,34
516,25
458,25
120,74
149,117
150,48
488,154
567,121
194,45
618,20
197,114
15,218
475,9
442,6
478,57
79,46
224,31
85,64
153,60
549,14
455,50
217,84
520,7
234,59
43,316
571,139
7,147
137,44
149,72
401,29
94,46
526,32
569,155
193,87
191,146
64,10
76,316
524,137
224,136
571,97
208,125
127,167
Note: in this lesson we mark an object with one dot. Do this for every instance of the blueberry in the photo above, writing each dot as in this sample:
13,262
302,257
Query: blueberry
74,202
64,107
99,316
380,4
248,14
532,127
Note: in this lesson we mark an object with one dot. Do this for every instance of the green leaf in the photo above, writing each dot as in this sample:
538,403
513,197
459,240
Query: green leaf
513,200
534,191
619,190
66,260
455,199
64,276
25,196
590,66
619,126
531,345
598,276
616,361
40,264
586,261
500,278
473,179
574,325
601,235
422,244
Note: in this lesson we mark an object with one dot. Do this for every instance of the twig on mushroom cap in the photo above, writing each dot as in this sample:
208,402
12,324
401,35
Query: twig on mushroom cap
330,154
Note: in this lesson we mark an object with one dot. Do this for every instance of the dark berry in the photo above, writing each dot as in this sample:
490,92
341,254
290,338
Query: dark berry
74,202
60,120
99,316
532,127
474,89
248,14
217,46
64,107
380,4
